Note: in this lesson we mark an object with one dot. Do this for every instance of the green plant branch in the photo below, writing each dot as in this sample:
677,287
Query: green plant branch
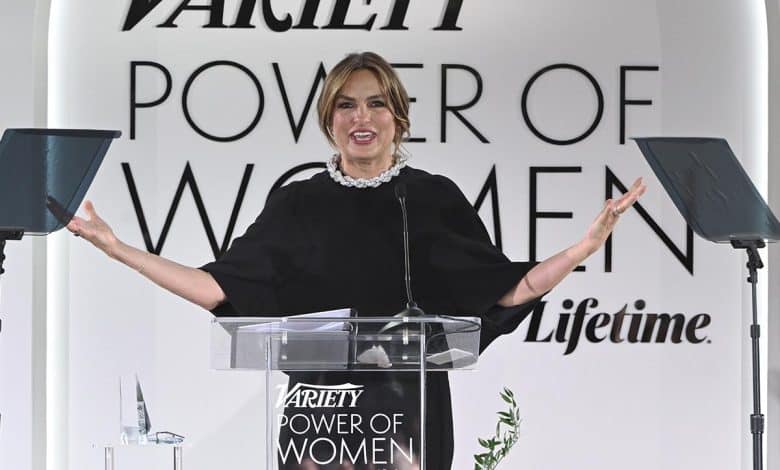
507,433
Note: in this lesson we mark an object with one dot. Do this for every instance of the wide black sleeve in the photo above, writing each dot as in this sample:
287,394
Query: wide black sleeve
261,260
476,273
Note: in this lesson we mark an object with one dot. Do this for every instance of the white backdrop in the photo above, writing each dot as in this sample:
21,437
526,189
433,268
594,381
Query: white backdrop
603,405
21,390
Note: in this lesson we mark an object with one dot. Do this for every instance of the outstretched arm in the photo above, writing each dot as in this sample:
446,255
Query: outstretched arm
547,274
192,284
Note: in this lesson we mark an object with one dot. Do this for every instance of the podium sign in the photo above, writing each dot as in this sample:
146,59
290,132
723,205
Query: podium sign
345,392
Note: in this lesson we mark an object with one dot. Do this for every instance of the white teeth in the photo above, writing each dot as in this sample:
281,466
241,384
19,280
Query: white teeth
362,135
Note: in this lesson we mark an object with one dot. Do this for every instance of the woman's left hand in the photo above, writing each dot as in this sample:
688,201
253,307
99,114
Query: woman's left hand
547,274
602,227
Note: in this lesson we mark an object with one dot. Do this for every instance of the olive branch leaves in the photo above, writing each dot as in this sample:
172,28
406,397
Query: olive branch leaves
507,433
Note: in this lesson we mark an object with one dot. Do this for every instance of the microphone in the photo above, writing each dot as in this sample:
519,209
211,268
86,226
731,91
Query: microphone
411,310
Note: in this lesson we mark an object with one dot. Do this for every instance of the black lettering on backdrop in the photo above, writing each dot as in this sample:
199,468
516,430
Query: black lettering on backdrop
308,14
491,186
338,17
599,320
664,321
617,324
297,127
244,16
133,103
216,10
397,16
292,172
187,179
247,7
533,214
698,322
641,327
599,110
273,23
535,324
450,16
203,68
455,109
579,320
624,101
412,99
139,9
686,259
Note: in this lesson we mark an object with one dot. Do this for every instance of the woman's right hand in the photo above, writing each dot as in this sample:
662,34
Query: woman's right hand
192,284
95,230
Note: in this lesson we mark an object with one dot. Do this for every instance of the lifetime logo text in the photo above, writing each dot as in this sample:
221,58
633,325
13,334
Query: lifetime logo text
621,326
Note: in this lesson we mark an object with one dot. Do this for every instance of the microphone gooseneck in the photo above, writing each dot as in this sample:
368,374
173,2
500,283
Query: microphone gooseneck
411,306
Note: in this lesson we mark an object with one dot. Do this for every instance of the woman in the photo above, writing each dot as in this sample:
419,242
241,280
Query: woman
335,241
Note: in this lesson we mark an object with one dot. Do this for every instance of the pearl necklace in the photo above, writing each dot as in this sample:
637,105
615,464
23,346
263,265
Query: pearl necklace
345,180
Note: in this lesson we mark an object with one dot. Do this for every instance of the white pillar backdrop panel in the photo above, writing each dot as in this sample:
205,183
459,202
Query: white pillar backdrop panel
16,298
600,406
773,323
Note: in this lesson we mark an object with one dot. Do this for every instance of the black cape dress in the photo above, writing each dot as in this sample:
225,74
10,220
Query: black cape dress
318,245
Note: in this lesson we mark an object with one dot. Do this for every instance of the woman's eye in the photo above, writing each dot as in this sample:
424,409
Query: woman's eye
377,103
344,105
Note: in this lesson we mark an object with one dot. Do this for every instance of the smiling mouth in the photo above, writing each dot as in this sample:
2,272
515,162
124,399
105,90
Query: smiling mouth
362,137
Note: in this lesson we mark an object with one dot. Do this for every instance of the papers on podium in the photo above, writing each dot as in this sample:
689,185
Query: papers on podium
312,341
307,322
338,340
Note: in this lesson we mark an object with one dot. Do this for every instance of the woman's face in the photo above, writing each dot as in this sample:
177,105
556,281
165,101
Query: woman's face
363,126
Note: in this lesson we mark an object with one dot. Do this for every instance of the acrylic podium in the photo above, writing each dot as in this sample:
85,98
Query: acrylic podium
344,391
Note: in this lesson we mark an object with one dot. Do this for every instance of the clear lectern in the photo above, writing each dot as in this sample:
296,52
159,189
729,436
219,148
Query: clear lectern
328,404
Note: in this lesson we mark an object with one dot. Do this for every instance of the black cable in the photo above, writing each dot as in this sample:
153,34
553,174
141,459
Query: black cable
400,194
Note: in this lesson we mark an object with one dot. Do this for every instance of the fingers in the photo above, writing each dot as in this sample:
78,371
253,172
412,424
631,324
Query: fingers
606,213
630,197
608,217
90,208
608,206
614,210
634,194
75,225
93,216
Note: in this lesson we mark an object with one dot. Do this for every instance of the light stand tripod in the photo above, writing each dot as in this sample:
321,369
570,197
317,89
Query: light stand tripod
44,175
5,235
717,199
756,419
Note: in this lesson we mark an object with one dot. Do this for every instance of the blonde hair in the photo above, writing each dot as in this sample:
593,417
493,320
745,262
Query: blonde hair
389,83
